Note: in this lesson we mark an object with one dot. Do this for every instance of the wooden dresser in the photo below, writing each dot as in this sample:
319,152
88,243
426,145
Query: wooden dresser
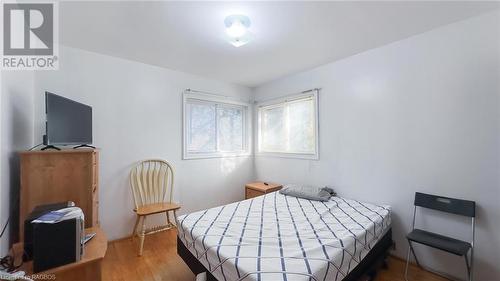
56,176
255,189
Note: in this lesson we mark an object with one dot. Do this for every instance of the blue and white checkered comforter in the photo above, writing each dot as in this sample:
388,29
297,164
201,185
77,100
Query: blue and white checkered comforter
277,237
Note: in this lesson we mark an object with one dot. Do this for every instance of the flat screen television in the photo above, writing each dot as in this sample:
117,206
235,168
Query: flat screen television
68,122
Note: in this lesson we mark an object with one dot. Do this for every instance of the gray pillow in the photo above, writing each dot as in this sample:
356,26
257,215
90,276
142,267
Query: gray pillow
307,192
330,190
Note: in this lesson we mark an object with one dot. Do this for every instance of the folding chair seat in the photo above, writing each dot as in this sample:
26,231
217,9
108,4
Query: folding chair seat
434,240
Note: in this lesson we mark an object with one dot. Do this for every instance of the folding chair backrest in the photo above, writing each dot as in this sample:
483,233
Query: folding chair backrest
445,204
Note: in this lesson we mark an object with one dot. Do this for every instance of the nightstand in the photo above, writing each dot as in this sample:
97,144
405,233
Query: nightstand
255,189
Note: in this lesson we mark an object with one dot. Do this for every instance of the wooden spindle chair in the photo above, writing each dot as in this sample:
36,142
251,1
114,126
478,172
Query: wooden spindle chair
152,188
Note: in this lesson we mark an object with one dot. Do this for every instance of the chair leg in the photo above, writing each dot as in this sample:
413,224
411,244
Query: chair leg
468,266
142,235
471,274
168,219
407,262
175,218
414,255
134,231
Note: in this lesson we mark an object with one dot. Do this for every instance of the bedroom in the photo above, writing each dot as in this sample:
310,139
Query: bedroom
392,98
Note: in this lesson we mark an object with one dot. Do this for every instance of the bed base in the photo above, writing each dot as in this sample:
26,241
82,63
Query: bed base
368,266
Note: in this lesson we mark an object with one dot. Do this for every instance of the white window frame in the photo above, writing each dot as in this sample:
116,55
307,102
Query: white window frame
217,100
275,102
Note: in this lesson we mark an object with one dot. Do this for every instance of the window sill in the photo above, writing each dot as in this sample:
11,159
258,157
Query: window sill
302,156
215,155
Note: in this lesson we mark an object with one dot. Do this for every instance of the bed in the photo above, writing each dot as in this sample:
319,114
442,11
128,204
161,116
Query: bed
278,237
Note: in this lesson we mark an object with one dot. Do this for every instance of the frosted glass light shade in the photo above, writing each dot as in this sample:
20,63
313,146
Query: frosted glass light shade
237,33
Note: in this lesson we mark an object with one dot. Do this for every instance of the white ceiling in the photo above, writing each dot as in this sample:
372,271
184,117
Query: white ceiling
289,36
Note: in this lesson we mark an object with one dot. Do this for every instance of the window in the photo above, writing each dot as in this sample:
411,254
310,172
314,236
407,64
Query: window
214,126
289,127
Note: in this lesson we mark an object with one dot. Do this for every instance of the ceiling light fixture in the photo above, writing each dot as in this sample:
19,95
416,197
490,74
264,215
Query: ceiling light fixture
237,33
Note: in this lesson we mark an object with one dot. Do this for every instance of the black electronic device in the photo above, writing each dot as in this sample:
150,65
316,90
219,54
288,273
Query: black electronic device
37,212
67,122
56,244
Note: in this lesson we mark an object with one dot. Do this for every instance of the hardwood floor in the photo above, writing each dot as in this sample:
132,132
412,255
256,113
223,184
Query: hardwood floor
160,262
396,270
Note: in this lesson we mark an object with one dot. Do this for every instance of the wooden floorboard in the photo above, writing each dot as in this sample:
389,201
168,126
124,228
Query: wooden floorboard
161,263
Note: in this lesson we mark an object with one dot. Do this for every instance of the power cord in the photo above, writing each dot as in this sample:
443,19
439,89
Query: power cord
7,263
8,266
5,227
35,146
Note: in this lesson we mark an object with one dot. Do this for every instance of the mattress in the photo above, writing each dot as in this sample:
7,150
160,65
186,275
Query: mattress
278,237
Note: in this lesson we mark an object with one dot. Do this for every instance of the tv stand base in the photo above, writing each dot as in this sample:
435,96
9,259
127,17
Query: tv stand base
50,147
83,145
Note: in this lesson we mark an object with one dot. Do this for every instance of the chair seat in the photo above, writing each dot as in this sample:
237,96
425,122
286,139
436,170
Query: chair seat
156,208
448,244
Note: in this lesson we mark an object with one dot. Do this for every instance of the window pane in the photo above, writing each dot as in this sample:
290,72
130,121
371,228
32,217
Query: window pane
230,128
273,130
289,127
201,134
301,126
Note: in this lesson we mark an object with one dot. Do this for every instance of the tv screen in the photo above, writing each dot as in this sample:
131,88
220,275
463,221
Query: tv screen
68,121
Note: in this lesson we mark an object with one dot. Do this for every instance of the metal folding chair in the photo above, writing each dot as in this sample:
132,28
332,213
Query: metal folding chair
437,241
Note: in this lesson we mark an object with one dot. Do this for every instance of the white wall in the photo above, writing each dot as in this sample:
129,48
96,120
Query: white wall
137,115
16,134
421,114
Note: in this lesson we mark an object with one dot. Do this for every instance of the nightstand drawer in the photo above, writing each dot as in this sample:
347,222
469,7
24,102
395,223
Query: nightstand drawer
250,193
